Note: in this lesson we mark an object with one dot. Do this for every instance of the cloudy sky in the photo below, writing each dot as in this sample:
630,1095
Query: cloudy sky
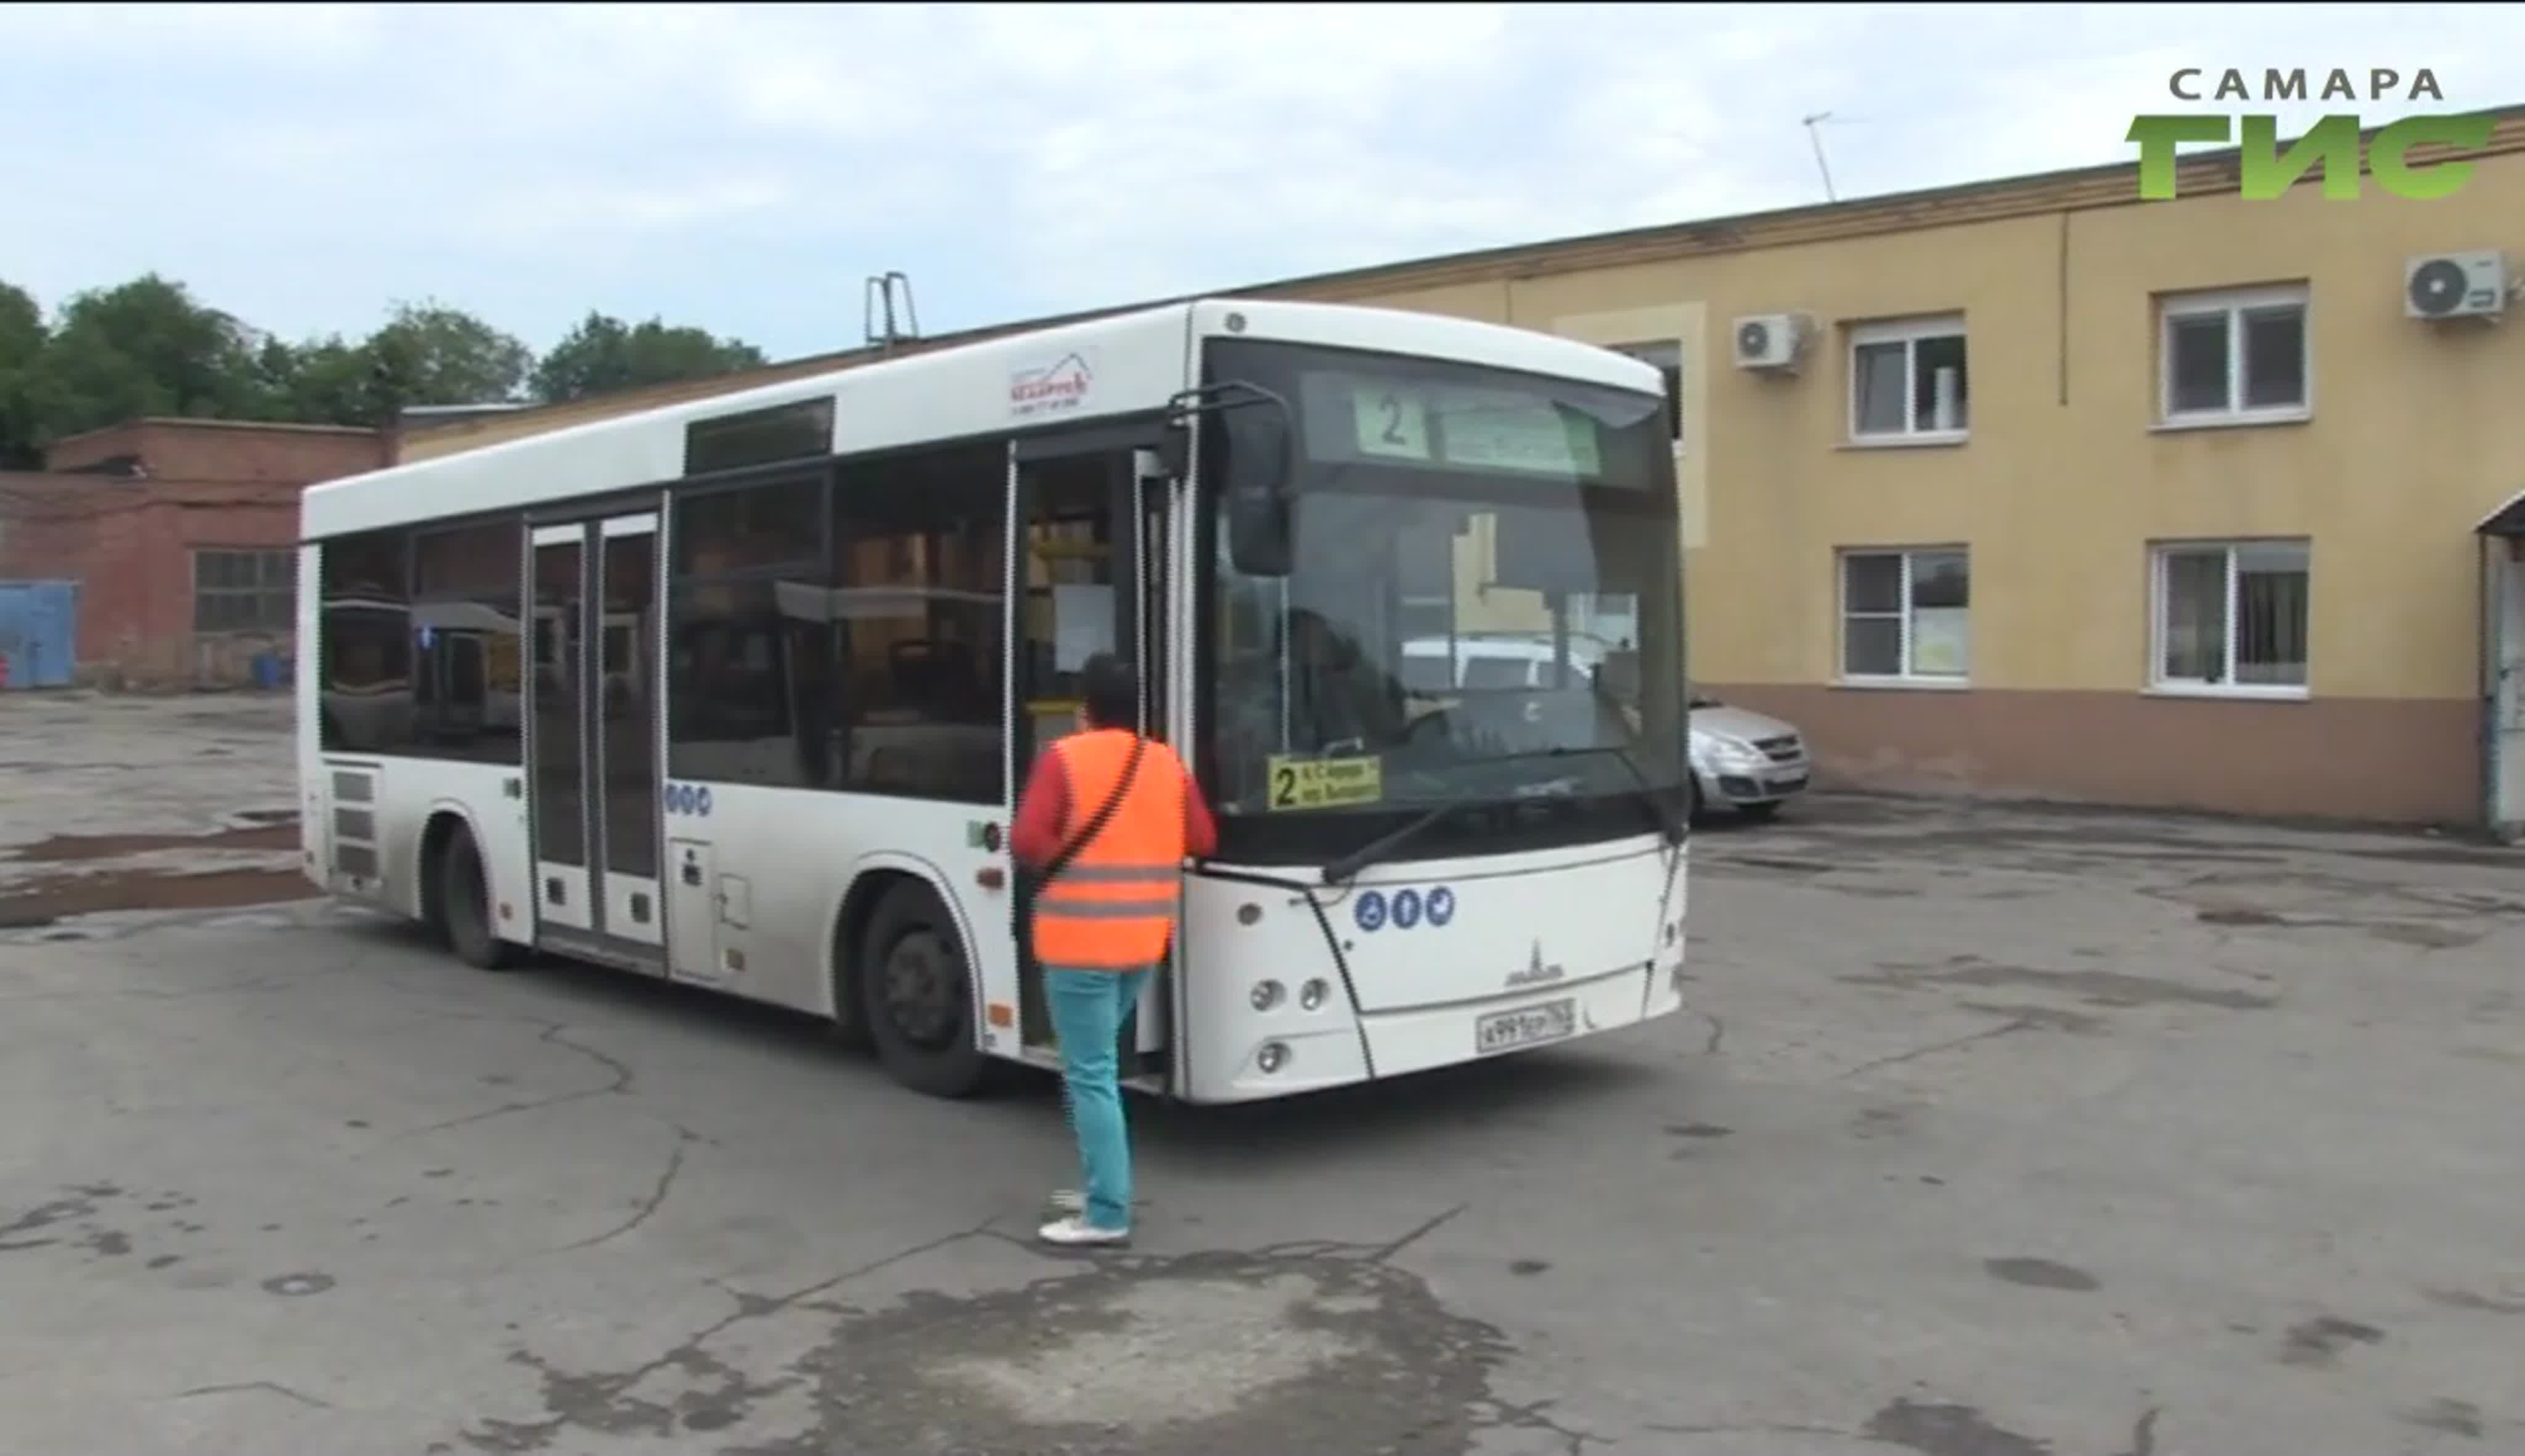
746,167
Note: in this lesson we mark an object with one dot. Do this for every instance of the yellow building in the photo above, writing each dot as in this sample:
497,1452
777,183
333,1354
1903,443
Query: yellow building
2063,494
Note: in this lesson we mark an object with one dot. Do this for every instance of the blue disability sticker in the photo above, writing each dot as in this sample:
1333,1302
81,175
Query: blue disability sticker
1407,909
1442,905
700,800
1371,911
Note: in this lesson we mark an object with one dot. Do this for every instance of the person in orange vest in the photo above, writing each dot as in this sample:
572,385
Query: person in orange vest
1107,817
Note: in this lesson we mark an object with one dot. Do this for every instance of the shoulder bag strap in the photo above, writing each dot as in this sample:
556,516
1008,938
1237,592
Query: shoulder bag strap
1095,824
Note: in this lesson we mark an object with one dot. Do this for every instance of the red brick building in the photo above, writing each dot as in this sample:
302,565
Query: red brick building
181,535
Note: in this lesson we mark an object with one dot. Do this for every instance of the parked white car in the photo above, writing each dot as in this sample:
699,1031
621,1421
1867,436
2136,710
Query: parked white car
1746,762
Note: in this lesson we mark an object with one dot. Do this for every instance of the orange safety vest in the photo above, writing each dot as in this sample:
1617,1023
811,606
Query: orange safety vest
1112,906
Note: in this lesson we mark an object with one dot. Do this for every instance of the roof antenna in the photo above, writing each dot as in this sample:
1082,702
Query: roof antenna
1814,138
880,301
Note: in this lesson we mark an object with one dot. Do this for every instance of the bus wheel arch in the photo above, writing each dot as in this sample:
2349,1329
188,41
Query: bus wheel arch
851,924
456,893
915,989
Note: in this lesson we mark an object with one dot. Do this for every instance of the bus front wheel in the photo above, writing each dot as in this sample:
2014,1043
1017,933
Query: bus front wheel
916,996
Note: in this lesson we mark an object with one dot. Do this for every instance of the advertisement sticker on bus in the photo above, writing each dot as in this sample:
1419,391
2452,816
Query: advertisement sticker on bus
1060,387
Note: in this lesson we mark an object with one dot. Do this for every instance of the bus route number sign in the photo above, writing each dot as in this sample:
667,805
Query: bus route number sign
1324,783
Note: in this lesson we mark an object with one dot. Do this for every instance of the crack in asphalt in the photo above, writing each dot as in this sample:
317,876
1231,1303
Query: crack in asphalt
1760,1427
1530,1417
1931,1429
1385,1252
273,1387
2017,1024
649,1205
687,1352
552,1034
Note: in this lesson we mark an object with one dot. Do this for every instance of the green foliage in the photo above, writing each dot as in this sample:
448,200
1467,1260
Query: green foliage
148,347
603,355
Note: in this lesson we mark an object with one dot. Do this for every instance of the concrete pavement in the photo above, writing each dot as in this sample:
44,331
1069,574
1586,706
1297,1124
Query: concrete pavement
1995,1132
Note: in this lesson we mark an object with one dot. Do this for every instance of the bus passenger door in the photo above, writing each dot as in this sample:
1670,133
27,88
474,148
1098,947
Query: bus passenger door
1082,584
595,789
557,806
623,759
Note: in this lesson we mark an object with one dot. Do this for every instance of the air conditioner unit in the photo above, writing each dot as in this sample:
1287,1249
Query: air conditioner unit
1770,341
2455,285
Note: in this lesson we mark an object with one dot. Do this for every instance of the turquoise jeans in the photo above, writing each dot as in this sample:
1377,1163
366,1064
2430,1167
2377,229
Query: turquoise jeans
1088,1008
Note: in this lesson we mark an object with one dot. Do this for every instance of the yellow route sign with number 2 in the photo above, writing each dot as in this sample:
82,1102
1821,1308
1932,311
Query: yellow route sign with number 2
1324,783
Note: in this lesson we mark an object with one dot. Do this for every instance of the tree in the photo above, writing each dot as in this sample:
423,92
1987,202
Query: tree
22,344
322,381
143,348
603,354
431,354
148,347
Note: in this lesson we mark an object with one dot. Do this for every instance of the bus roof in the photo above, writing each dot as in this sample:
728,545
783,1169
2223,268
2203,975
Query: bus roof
1123,363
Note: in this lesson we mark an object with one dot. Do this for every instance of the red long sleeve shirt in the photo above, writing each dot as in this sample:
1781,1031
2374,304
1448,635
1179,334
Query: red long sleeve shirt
1043,807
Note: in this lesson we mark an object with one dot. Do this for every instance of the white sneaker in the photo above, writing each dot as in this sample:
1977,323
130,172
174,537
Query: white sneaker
1075,1230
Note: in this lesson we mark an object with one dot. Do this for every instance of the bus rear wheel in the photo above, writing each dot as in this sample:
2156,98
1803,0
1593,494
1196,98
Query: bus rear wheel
916,996
465,901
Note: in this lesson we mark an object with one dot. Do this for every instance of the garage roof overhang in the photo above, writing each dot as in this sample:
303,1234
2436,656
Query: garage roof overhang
2508,520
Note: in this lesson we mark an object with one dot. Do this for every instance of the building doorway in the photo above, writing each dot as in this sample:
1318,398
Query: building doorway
2502,669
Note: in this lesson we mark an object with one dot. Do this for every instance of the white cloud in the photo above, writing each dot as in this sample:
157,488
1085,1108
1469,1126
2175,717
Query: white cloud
742,166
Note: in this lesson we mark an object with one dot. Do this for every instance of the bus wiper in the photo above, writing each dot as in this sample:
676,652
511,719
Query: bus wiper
1343,870
1670,824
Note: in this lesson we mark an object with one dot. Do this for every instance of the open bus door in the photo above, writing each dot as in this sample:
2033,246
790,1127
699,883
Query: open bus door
1090,576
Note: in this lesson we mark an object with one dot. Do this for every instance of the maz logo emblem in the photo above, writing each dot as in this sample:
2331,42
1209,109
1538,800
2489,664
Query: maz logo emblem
1535,973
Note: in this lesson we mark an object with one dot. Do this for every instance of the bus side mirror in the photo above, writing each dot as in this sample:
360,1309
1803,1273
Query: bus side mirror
1261,469
1257,532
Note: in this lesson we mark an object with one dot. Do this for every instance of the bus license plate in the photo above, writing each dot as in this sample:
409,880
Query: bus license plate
1502,1030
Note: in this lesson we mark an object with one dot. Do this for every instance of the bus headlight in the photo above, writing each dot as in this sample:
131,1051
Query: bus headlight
1312,994
1272,1057
1266,995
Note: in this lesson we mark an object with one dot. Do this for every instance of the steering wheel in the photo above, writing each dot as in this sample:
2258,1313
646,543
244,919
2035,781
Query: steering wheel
1412,731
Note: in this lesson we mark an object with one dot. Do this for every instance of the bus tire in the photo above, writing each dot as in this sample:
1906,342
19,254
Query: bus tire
465,906
916,996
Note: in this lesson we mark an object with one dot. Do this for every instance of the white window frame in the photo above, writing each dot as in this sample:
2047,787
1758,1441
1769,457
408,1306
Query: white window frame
2232,303
2228,687
1664,354
1909,332
1905,676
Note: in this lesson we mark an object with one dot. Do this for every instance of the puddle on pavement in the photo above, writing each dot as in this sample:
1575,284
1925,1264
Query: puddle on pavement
1214,1354
266,829
31,904
38,900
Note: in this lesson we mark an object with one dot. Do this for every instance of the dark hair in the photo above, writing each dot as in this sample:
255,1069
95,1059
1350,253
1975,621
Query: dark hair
1113,691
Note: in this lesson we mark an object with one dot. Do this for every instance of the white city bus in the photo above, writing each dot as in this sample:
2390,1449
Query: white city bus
790,654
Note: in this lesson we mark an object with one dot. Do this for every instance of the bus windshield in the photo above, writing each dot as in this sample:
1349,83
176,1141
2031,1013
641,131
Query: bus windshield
1486,568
